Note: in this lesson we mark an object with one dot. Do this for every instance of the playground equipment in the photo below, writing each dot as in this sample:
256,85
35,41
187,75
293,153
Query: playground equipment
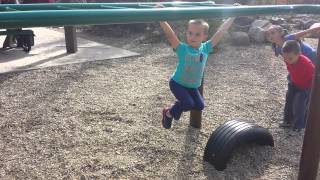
35,15
227,137
69,15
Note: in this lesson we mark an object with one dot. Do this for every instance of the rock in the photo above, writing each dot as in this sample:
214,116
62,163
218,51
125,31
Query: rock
156,33
302,16
302,22
226,37
309,23
277,20
242,24
240,38
258,34
295,21
299,24
286,26
261,23
257,30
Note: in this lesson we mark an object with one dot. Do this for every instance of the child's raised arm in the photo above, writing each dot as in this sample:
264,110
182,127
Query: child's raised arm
302,34
221,30
171,35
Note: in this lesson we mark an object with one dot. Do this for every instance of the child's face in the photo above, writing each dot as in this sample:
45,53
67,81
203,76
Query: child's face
291,58
195,35
274,35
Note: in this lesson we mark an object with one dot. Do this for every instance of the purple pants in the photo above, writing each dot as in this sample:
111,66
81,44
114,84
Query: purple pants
187,99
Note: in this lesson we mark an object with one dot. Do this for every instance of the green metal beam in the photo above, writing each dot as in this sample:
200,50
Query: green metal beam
53,6
114,7
42,18
64,8
7,9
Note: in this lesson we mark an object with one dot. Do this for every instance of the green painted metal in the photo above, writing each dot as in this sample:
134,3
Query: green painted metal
114,7
7,9
55,6
42,18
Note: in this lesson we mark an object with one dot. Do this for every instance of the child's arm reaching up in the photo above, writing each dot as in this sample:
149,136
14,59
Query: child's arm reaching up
171,35
221,30
302,34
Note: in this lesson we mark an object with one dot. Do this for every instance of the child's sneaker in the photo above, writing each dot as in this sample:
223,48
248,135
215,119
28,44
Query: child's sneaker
166,121
284,125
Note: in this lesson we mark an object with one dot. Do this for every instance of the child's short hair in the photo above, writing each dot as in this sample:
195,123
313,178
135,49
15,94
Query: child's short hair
201,22
291,46
281,30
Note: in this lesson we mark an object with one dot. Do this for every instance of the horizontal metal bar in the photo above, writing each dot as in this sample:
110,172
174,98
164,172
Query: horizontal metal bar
116,16
146,6
183,5
112,7
7,9
56,6
64,8
52,6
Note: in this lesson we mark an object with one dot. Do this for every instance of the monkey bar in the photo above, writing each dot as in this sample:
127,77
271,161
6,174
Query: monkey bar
60,14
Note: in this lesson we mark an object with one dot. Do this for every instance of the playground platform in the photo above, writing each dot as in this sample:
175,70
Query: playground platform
50,50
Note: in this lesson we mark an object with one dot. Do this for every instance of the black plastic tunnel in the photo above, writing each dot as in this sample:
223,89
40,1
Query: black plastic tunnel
227,137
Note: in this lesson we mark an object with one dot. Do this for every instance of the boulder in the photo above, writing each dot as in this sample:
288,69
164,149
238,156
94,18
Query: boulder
240,38
277,20
302,23
242,23
298,24
261,23
257,34
226,38
309,23
287,26
257,30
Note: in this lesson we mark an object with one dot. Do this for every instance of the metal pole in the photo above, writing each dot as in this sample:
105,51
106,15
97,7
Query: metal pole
310,156
71,39
44,18
195,115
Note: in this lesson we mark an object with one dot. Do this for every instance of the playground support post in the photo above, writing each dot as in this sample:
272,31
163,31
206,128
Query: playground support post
310,156
196,115
71,39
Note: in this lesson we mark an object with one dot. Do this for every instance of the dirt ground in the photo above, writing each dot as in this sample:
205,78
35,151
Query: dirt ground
101,120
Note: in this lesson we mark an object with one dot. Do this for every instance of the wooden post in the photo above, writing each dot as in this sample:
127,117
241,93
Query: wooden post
71,39
310,156
195,115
